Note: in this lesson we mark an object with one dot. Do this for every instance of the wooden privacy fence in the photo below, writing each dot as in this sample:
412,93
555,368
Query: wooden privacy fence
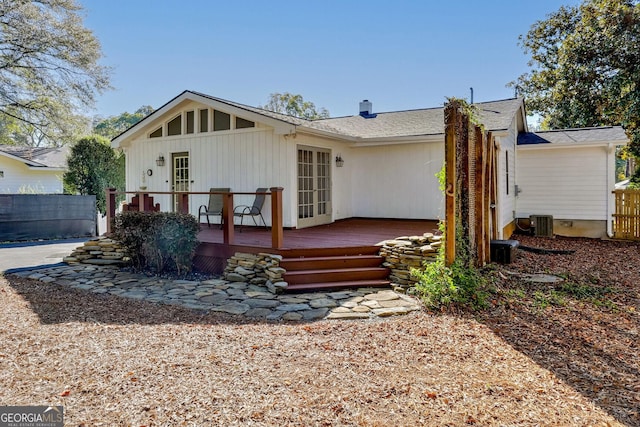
470,188
626,219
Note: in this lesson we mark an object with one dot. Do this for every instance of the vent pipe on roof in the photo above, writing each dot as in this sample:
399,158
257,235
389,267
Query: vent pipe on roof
471,89
366,109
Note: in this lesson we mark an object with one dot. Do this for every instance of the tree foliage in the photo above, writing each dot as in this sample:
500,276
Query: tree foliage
294,105
49,68
94,166
585,67
115,125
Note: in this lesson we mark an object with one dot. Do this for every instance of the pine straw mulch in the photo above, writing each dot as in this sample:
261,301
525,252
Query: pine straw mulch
539,355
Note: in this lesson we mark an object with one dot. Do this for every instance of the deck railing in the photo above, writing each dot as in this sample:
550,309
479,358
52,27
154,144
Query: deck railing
626,219
145,203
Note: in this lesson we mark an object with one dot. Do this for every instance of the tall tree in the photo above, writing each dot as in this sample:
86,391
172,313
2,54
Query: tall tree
115,125
585,67
94,166
49,67
294,105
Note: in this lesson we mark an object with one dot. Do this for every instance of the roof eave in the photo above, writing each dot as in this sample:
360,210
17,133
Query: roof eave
48,168
363,141
22,160
393,140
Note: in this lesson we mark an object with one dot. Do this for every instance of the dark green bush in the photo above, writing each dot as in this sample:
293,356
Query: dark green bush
158,242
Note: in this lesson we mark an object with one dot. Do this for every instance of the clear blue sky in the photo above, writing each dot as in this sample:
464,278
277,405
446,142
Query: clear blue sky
398,54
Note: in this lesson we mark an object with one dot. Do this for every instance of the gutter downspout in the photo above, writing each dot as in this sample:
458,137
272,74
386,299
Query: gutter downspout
611,167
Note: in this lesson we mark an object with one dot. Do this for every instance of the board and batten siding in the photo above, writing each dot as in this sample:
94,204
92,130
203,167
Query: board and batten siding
397,181
18,178
242,160
567,183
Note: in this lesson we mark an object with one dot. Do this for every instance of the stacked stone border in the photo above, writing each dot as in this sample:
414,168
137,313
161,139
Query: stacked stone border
263,269
405,253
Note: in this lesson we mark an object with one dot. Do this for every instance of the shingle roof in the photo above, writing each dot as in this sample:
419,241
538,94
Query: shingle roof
495,115
51,157
574,136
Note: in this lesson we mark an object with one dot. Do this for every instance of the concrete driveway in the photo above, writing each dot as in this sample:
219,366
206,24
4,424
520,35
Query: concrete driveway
29,255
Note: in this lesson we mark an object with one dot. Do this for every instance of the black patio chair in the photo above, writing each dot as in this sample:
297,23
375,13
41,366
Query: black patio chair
253,211
214,208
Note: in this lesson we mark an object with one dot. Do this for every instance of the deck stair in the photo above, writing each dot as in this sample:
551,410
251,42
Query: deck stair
334,268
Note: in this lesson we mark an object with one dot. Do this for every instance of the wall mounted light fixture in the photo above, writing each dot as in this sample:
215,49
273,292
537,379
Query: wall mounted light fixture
1,174
160,160
339,161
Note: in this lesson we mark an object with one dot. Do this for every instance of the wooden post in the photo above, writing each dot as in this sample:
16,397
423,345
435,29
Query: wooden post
479,200
111,207
183,203
493,194
463,197
140,201
451,114
277,233
227,219
486,195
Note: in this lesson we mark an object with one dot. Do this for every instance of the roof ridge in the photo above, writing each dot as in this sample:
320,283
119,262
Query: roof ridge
413,109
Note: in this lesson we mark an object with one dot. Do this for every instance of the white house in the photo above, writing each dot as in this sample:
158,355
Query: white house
388,161
32,169
373,165
570,175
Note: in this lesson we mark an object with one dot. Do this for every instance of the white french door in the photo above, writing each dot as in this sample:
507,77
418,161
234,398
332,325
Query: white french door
314,186
180,175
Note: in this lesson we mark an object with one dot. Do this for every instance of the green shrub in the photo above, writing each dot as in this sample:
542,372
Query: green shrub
442,287
158,242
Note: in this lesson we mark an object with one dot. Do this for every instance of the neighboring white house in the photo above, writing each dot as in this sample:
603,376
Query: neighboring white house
569,174
387,168
28,170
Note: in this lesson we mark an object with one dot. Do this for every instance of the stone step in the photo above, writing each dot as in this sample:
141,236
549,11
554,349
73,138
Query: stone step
335,275
331,262
338,285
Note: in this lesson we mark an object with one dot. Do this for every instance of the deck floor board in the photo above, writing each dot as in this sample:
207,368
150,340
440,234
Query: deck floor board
343,233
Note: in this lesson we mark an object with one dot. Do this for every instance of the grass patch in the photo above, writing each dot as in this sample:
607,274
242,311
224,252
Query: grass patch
542,300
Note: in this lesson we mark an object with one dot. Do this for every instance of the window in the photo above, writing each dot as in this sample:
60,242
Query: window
174,127
507,169
221,121
156,133
204,120
190,121
242,123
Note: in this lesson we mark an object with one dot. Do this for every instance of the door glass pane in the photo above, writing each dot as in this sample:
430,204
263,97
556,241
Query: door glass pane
305,184
323,166
180,175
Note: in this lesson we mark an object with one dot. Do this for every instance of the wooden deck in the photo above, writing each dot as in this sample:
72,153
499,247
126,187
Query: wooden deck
344,238
344,233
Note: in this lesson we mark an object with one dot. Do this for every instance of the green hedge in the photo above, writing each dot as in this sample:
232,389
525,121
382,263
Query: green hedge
159,242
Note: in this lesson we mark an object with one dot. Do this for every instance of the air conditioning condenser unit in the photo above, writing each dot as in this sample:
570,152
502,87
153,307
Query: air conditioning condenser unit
542,225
